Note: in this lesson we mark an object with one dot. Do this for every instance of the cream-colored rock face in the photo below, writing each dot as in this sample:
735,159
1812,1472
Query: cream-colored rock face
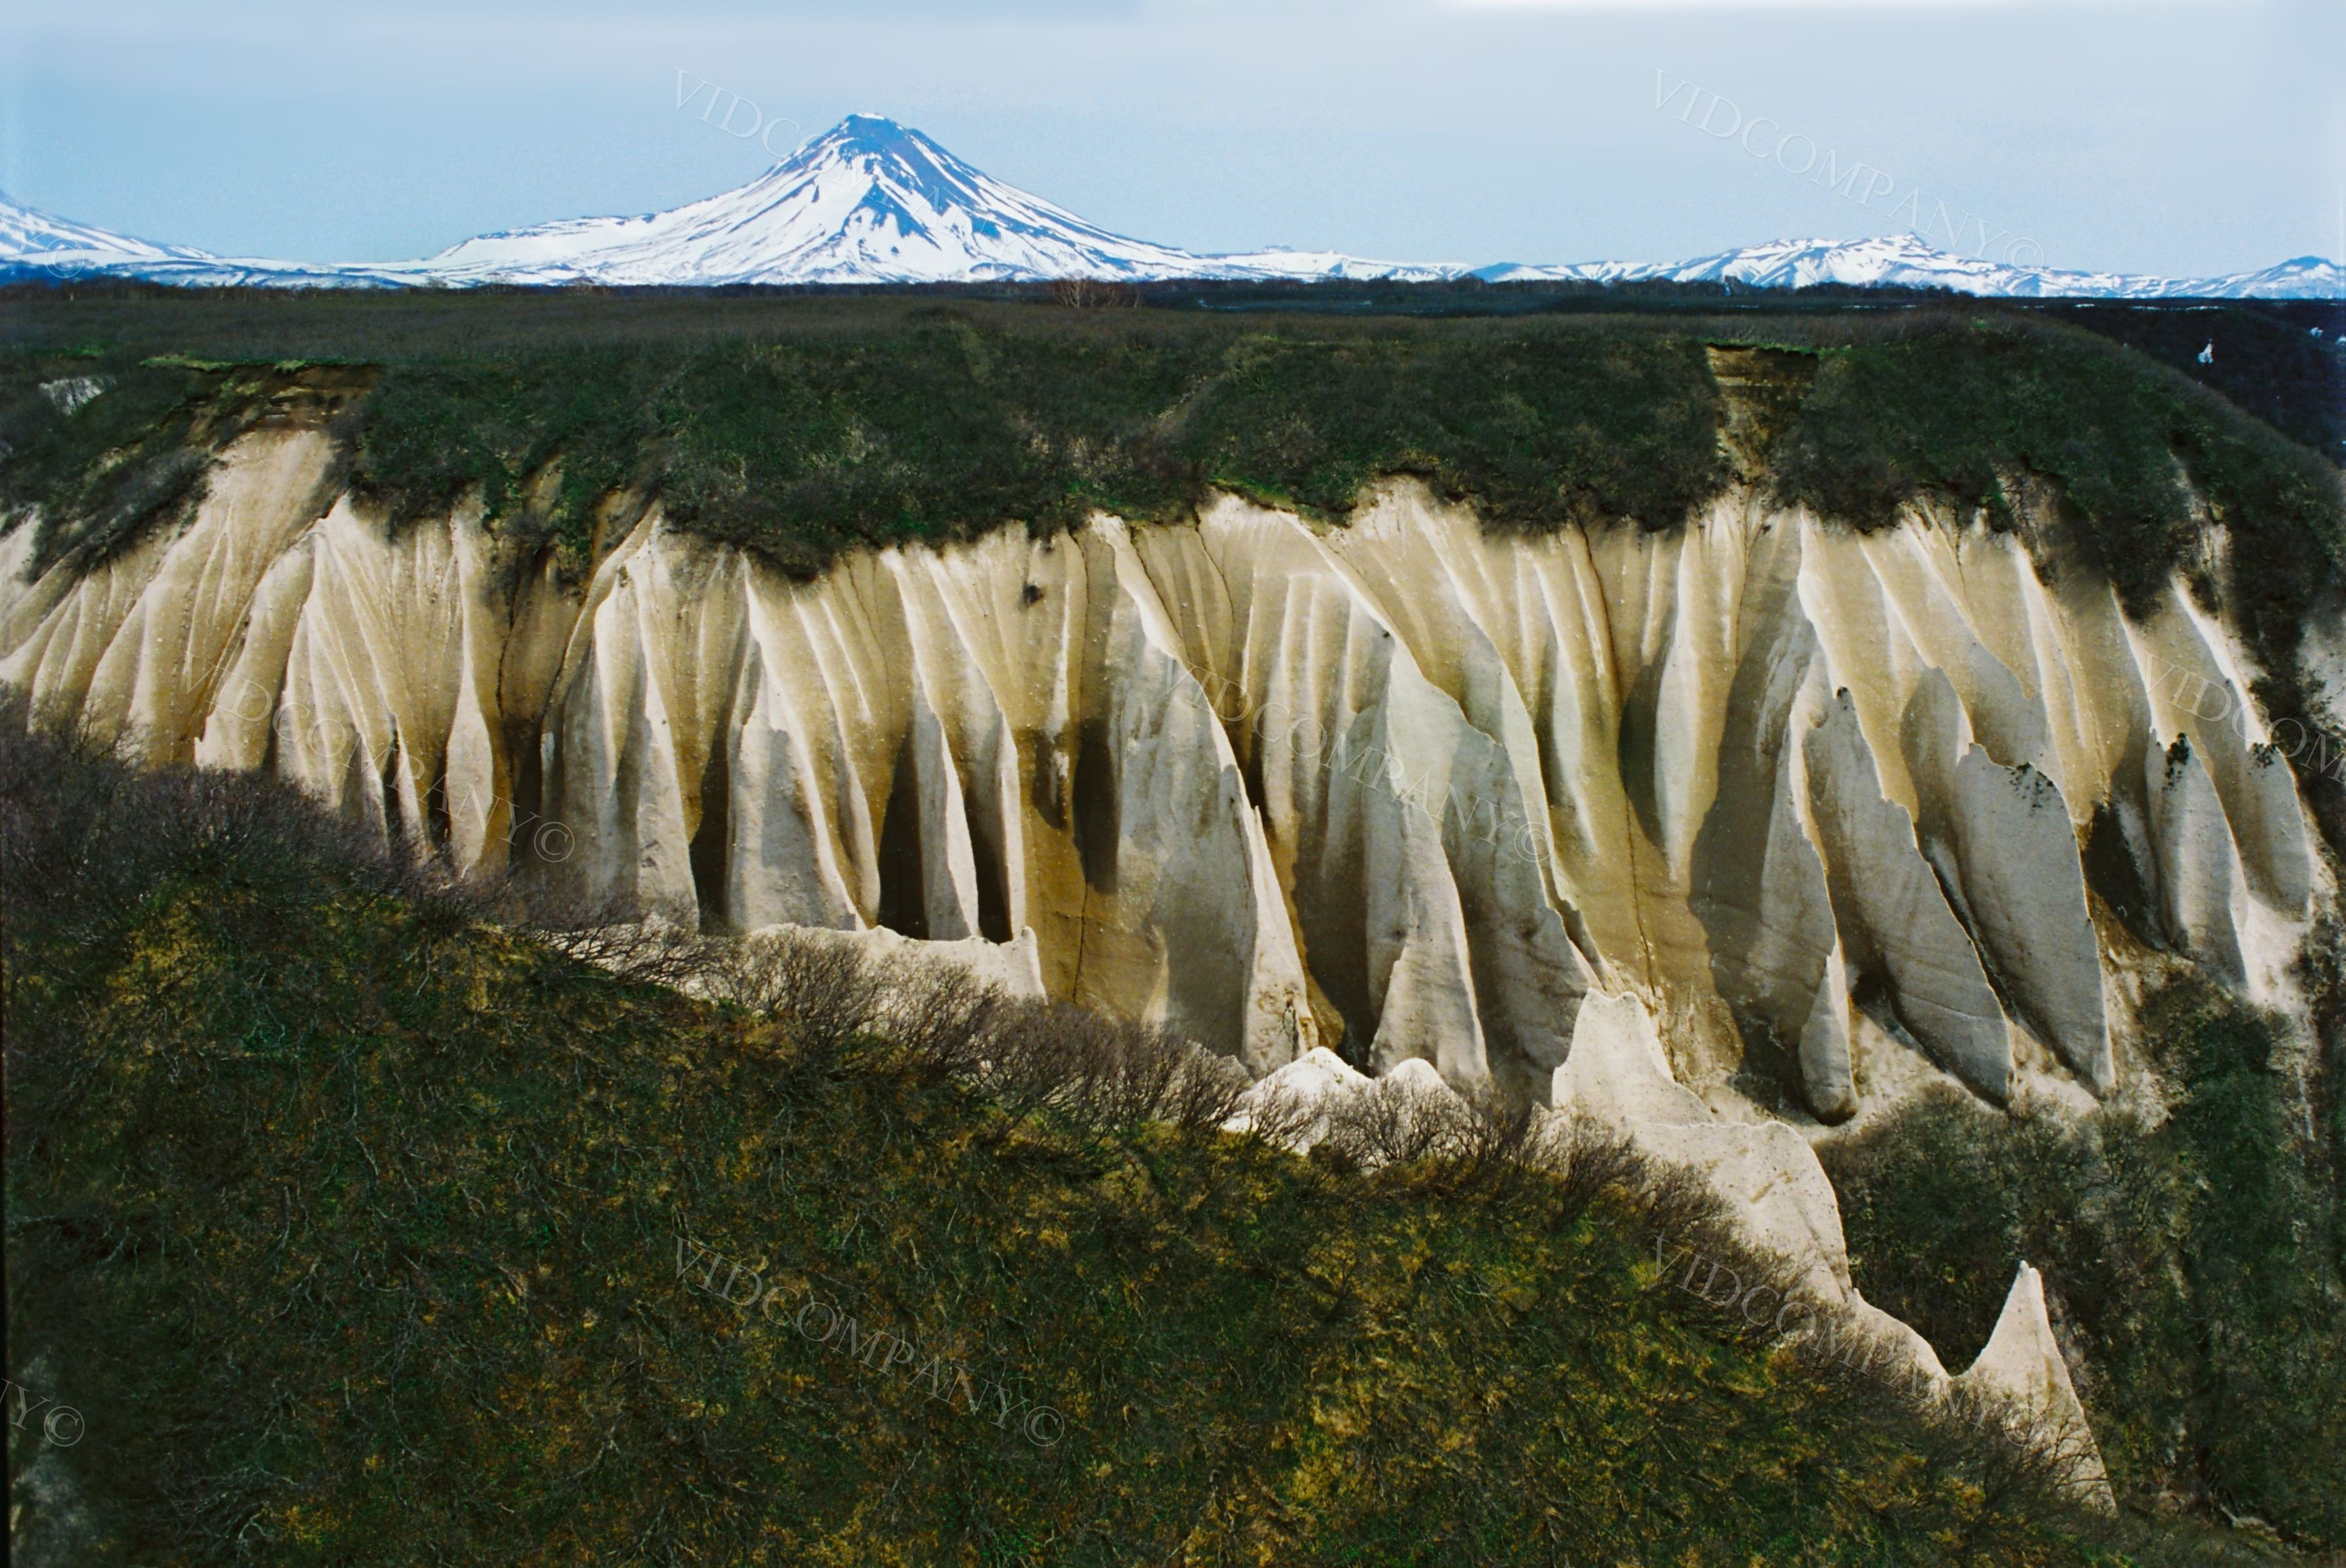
1399,785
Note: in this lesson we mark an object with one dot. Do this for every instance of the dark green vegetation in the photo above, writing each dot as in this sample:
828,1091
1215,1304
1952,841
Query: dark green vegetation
802,426
930,422
118,462
109,444
348,1223
2195,1263
1979,412
2281,361
941,429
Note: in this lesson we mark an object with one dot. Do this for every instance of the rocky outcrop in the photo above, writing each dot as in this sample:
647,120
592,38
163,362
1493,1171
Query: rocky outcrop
2021,1373
1777,1194
1894,916
1402,786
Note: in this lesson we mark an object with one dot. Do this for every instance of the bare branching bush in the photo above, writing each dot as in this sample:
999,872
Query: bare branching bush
1092,293
1280,1116
1205,1094
938,1017
1102,1073
613,935
1587,1157
823,993
1444,1138
1099,1073
82,835
2020,1450
1387,1122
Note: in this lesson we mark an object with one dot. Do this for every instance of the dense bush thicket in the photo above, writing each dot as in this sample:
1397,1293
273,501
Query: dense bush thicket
941,430
800,427
1970,414
2192,1258
106,448
351,1226
2282,361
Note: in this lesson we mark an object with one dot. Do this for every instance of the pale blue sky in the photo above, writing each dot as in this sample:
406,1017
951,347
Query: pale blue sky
2177,138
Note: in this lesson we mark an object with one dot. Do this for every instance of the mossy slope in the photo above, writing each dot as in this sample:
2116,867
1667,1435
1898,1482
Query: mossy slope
348,1225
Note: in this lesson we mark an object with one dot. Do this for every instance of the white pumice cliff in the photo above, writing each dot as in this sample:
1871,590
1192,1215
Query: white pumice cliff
1720,834
1817,797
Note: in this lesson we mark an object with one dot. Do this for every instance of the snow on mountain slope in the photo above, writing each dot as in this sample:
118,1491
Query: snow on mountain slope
34,239
1906,261
871,201
2298,278
1307,265
32,244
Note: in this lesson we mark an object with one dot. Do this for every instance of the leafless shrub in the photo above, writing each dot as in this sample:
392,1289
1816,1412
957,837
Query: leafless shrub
1683,1205
1130,1074
1279,1117
2019,1453
1205,1093
938,1017
822,991
610,934
1102,1073
1587,1157
1051,1054
83,834
1388,1122
1092,293
1444,1138
1492,1142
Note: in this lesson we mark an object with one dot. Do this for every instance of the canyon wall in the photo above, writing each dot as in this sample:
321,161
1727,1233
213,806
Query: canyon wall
1848,811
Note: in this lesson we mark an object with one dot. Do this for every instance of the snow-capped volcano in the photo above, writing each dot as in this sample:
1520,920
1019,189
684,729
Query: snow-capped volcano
871,201
867,201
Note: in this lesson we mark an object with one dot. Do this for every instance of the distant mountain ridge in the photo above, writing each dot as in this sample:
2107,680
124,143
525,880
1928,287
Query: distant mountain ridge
1905,260
872,202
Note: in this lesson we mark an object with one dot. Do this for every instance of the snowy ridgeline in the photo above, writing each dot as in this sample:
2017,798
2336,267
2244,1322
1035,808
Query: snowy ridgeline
871,201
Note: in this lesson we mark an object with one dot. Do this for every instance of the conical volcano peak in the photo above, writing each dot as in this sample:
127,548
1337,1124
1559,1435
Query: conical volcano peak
908,173
867,201
875,141
861,132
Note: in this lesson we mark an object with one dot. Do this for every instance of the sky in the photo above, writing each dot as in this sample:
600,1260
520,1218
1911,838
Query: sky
2183,138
